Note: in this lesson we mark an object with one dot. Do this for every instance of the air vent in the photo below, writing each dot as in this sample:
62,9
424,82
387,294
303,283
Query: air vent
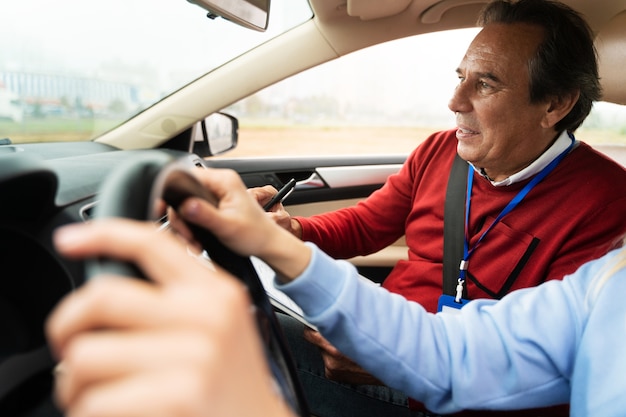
86,214
86,211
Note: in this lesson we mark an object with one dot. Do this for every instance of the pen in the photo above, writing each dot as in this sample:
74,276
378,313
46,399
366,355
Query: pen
280,196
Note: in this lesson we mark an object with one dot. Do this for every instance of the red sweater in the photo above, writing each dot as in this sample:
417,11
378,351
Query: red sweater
576,214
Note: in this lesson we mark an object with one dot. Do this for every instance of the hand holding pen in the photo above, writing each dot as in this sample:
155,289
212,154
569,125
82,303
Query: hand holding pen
281,195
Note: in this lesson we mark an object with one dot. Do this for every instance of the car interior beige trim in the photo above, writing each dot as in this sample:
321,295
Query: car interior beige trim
386,257
350,176
375,9
611,45
435,13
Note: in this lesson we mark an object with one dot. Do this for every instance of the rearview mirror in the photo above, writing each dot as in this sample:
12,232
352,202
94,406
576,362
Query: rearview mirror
253,14
214,135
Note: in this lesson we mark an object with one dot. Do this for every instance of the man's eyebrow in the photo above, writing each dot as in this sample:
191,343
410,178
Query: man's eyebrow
488,75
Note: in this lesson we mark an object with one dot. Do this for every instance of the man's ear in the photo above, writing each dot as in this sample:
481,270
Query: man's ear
558,107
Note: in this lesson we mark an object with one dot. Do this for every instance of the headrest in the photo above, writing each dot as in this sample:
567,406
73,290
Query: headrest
611,45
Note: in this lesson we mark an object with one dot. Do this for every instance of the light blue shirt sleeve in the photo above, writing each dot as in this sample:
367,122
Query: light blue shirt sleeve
516,353
598,382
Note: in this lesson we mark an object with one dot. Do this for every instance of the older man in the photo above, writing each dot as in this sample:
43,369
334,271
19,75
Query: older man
539,204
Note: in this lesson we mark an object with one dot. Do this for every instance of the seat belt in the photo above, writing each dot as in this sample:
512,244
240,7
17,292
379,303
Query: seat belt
454,225
453,234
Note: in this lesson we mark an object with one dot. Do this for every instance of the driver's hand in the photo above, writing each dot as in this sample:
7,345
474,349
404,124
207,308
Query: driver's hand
184,345
337,366
240,223
238,214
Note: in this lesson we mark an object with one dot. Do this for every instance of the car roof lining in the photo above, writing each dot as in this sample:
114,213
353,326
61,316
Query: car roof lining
611,46
375,9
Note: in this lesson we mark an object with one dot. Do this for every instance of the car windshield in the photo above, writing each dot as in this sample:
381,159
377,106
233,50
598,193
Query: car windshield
72,69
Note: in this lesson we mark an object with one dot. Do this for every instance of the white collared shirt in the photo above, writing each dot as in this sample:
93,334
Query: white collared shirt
559,145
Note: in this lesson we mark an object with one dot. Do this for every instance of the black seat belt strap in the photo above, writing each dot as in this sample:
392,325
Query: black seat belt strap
454,225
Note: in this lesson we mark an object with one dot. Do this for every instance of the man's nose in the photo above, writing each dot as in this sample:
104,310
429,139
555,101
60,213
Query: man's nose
460,101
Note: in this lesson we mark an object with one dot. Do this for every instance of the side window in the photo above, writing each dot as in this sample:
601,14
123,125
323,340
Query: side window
605,130
382,100
605,125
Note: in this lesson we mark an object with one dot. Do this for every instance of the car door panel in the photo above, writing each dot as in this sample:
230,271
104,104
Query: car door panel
326,184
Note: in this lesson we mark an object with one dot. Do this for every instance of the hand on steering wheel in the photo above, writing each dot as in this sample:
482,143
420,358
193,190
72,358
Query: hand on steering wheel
132,191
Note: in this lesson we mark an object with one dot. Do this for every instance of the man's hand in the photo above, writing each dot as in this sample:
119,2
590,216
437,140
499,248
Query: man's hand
240,223
339,367
184,345
278,213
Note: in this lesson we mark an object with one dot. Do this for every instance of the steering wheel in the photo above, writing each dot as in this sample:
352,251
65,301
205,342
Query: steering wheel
132,190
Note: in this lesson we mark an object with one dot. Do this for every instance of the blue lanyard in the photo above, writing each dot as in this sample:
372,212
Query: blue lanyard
467,252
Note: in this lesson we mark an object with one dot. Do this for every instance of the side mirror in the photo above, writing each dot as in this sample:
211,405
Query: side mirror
214,135
253,14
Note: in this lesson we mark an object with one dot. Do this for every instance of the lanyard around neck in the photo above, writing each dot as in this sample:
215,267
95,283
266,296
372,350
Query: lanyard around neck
467,252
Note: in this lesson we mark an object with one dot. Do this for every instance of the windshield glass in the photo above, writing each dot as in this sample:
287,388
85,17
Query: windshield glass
73,69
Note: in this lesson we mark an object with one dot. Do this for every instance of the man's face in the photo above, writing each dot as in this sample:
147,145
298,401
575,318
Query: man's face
498,128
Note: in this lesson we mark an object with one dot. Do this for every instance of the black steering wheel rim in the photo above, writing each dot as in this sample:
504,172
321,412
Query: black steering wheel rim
132,191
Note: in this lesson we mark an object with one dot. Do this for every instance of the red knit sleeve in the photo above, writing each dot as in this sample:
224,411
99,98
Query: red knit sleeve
377,221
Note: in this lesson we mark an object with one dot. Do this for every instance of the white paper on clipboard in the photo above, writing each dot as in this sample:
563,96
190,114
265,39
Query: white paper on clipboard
278,298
